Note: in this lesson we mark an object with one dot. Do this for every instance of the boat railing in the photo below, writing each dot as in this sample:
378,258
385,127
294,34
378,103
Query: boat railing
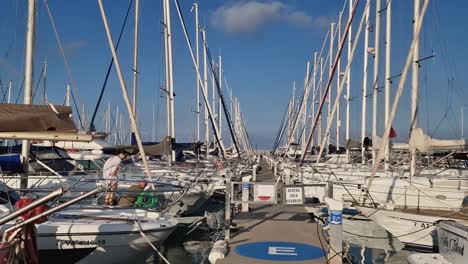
41,201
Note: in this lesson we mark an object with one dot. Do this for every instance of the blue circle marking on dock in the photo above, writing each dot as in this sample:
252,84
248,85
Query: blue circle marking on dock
279,251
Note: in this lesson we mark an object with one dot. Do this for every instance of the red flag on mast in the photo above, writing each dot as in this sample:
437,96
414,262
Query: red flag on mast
392,133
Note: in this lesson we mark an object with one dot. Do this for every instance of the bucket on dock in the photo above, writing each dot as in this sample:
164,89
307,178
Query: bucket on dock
218,251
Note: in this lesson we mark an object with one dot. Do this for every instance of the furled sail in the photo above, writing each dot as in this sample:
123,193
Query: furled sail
162,148
424,143
393,145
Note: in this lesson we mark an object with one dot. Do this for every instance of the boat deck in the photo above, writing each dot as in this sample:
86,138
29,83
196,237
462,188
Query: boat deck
275,234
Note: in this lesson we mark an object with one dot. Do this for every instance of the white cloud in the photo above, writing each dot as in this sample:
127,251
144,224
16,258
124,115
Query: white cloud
321,22
300,18
253,15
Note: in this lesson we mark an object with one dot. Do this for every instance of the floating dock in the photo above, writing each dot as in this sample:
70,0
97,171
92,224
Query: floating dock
275,233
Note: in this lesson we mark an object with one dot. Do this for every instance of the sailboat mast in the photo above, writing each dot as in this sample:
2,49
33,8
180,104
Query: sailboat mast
67,96
153,127
44,83
338,80
289,117
197,52
220,83
388,40
133,121
414,84
304,112
135,56
399,92
293,110
169,72
116,135
28,80
213,101
314,94
364,86
330,67
348,85
10,83
319,134
166,74
205,82
340,90
375,83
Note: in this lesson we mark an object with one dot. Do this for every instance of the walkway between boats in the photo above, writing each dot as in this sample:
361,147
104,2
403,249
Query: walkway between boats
275,233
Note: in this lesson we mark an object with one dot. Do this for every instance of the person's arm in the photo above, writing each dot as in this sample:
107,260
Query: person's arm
116,169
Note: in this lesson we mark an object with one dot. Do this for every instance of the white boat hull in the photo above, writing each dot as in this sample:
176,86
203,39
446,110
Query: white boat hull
413,230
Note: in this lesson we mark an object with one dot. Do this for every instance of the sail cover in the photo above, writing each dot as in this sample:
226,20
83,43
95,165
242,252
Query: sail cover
36,118
163,148
424,143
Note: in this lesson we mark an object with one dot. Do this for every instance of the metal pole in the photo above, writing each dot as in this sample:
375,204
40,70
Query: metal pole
375,83
364,86
34,204
388,40
227,206
348,84
52,210
415,88
335,252
28,81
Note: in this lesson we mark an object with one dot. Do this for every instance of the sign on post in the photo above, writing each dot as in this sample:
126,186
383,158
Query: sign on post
293,195
265,193
336,217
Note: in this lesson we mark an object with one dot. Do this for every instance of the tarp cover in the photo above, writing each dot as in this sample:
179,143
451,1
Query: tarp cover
36,118
351,144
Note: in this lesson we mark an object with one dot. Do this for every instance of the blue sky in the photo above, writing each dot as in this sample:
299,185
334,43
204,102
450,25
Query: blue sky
265,46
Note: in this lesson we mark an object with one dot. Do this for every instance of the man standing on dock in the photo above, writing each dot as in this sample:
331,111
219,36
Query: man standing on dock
109,172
